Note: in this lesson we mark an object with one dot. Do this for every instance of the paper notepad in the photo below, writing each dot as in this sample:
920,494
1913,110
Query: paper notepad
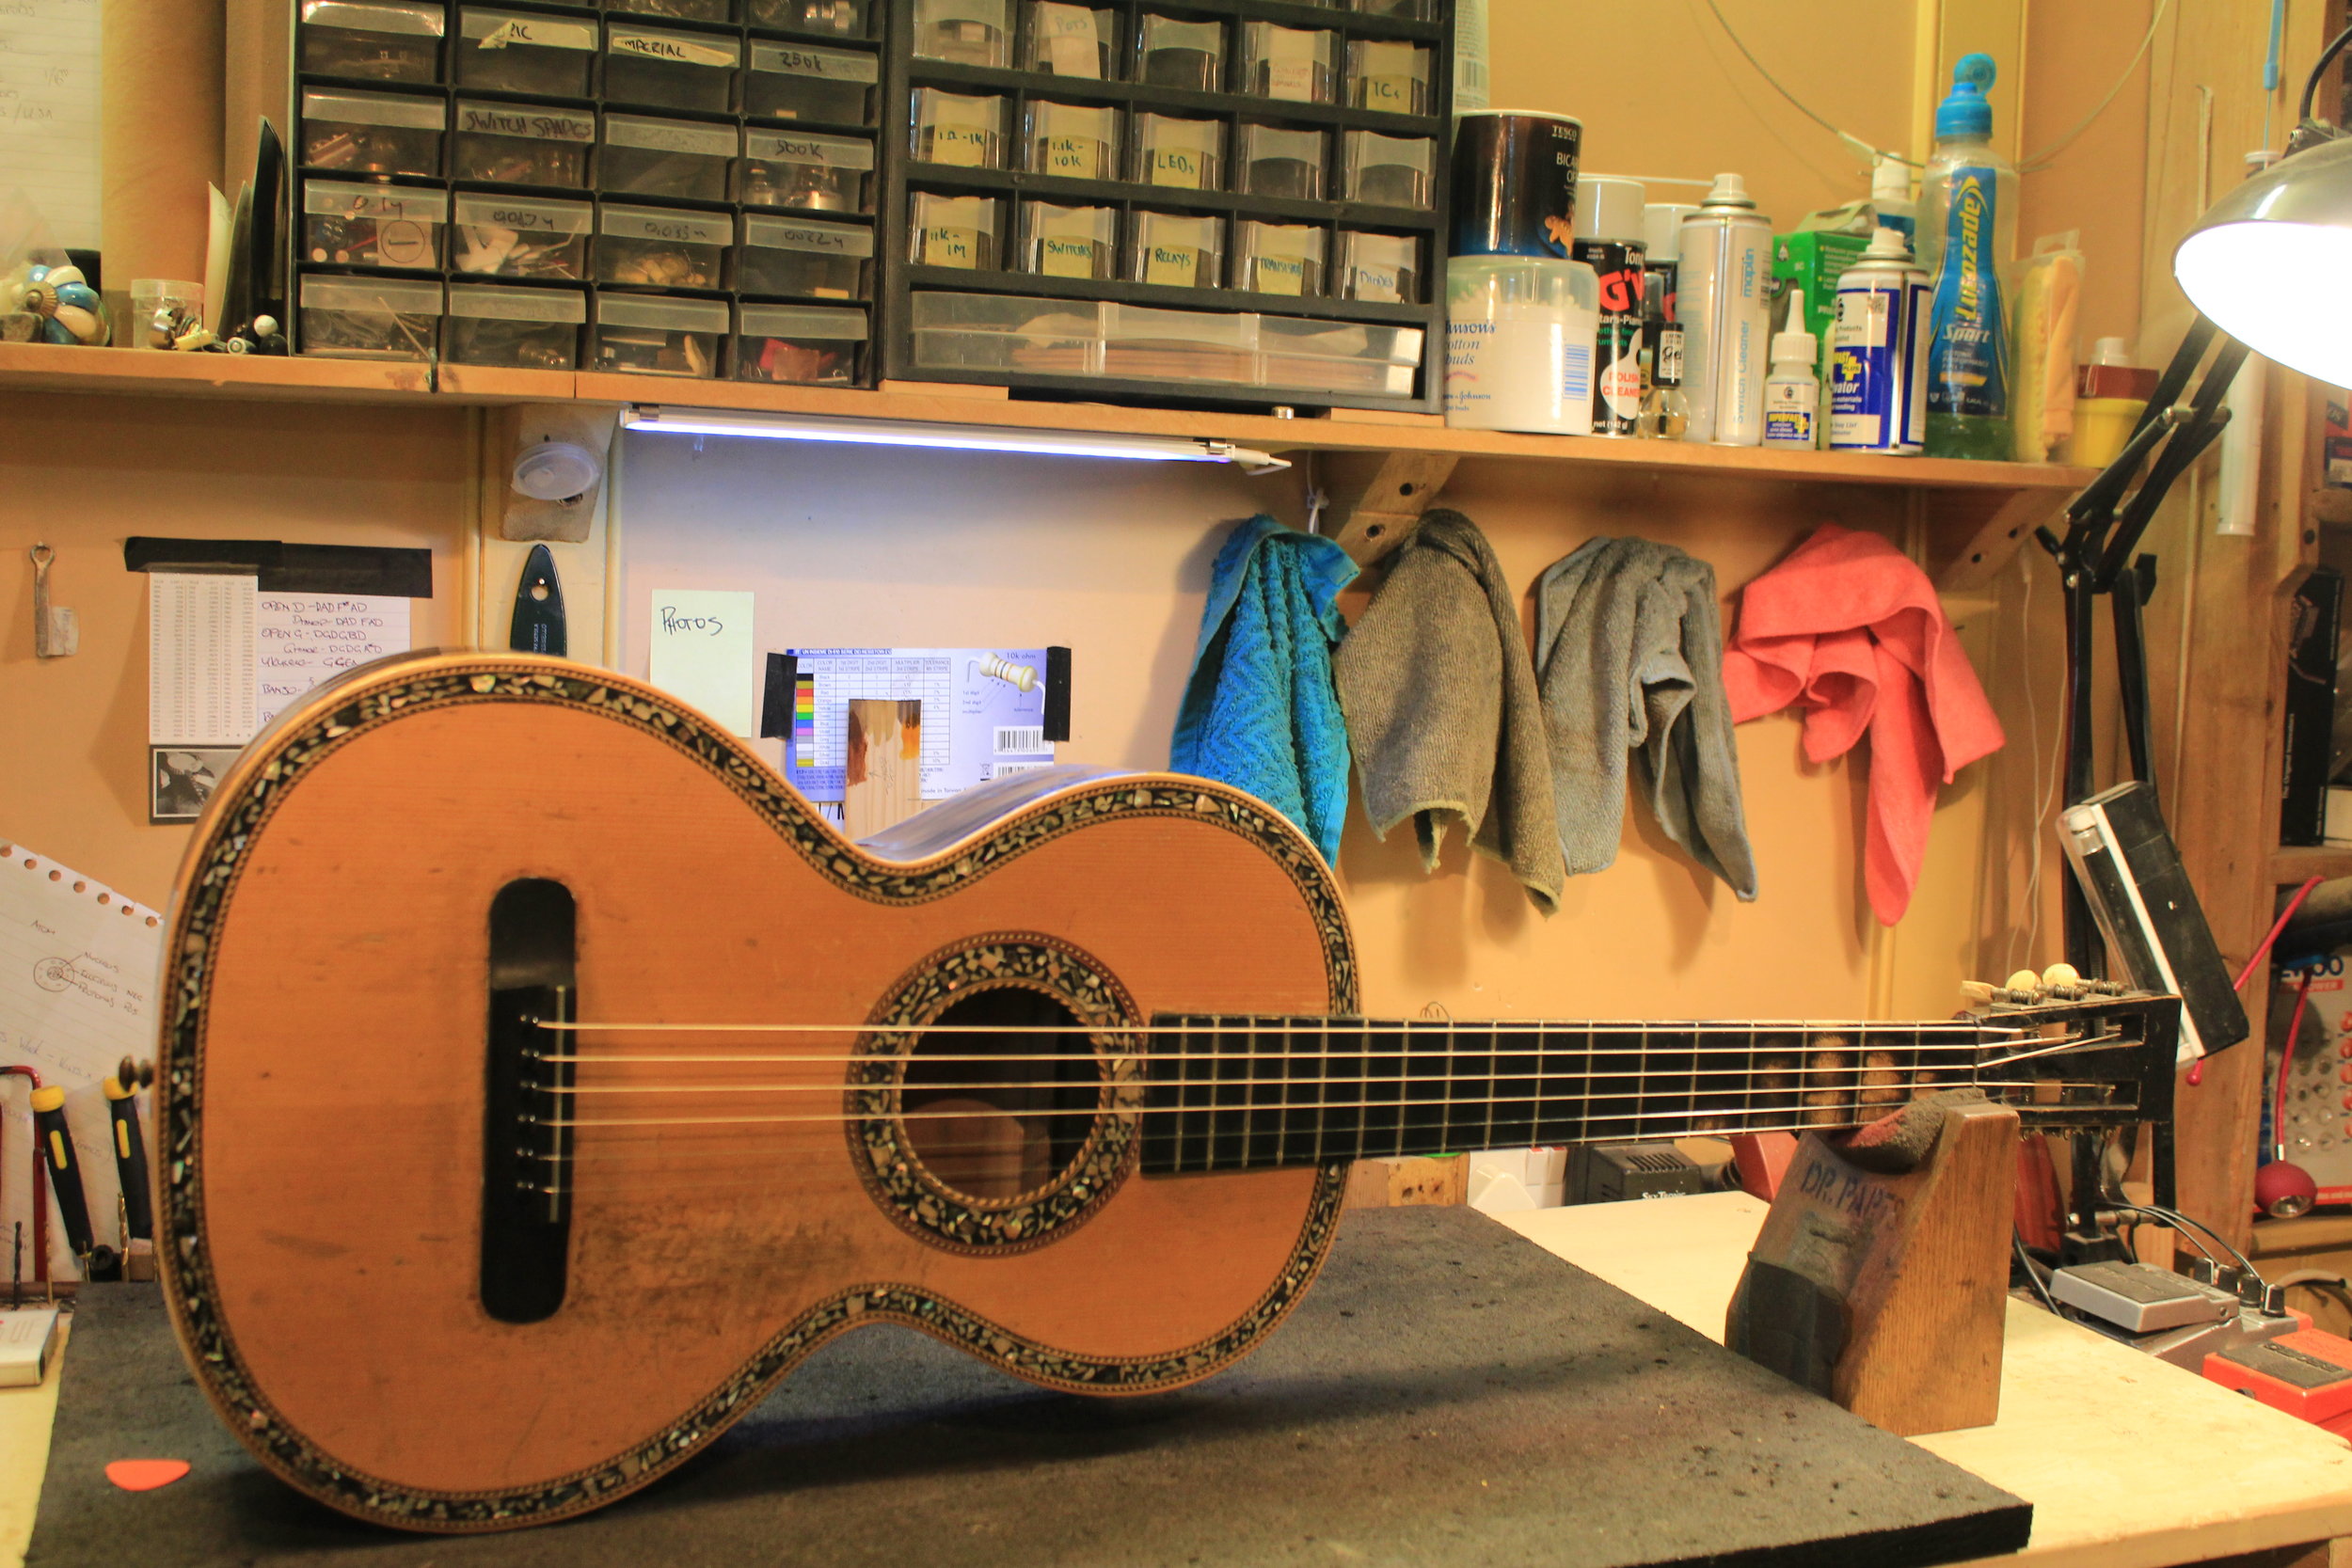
702,653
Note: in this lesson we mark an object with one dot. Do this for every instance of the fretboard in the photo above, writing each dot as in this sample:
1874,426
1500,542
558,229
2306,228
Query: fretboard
1228,1093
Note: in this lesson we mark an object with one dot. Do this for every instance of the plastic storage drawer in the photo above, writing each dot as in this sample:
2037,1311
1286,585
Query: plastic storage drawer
502,51
809,345
373,43
520,236
994,333
659,67
1353,357
529,329
369,318
651,335
521,144
686,160
799,256
662,248
800,168
351,225
372,132
802,81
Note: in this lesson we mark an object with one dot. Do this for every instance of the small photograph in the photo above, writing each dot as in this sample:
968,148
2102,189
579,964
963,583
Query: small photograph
181,778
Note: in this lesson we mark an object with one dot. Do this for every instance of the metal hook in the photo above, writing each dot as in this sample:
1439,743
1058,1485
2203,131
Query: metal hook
57,632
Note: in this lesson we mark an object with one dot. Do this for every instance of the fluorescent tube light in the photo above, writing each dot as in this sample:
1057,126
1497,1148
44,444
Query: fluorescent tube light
954,437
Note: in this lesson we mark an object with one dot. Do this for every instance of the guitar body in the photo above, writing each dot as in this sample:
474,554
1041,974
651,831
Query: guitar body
322,1094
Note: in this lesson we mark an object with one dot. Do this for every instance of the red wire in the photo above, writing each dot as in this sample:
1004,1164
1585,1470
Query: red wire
2286,1060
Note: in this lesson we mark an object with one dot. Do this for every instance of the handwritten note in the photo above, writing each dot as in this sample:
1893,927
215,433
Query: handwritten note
702,653
303,639
49,113
78,969
200,651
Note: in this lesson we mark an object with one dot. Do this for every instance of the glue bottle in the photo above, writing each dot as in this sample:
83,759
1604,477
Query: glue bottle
1792,393
1967,233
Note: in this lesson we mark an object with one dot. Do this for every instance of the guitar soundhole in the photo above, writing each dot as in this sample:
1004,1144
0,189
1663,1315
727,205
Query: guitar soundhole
991,1130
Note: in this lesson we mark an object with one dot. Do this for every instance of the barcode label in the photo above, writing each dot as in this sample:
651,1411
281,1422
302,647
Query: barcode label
1015,741
1004,768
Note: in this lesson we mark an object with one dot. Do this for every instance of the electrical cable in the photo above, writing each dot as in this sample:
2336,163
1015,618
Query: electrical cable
2175,1220
2311,85
2286,1065
2262,951
2035,160
2033,1274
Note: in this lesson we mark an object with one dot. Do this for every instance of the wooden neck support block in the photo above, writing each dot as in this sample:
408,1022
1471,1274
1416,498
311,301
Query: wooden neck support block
1886,1294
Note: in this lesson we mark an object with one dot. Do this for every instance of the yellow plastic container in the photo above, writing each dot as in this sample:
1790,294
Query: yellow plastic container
2102,426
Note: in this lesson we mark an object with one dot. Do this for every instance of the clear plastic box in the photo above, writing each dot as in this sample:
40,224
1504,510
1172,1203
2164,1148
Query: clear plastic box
1298,65
838,18
687,159
651,335
372,132
1145,342
1388,75
964,32
521,144
1279,258
953,231
1177,250
659,67
1275,160
1174,150
808,345
1075,41
527,329
370,318
520,236
1388,172
1074,141
1006,332
1069,242
373,43
1355,357
518,52
800,256
802,81
676,10
799,168
1409,10
662,248
959,128
1174,52
371,225
1383,268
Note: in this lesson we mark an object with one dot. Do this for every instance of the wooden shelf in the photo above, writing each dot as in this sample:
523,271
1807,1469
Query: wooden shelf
2293,867
1978,514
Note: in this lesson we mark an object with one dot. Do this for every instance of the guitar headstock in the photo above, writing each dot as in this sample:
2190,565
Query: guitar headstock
2026,992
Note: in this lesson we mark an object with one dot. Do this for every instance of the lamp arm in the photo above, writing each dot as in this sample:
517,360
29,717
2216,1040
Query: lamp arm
2189,438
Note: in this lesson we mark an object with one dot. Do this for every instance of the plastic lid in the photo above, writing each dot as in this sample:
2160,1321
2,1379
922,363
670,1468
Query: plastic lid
664,223
1609,209
662,312
801,321
1889,181
1371,150
669,136
373,295
1729,190
2111,351
373,108
518,305
528,214
328,197
414,20
799,146
1801,346
1887,244
1965,113
534,120
1661,229
833,239
798,59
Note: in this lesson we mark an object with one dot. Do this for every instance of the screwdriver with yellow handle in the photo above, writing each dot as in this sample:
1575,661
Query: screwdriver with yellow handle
121,1089
65,1176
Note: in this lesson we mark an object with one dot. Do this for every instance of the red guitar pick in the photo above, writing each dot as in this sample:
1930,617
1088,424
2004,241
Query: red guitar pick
144,1475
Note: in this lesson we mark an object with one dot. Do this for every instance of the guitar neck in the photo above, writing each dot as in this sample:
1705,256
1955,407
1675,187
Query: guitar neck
1225,1093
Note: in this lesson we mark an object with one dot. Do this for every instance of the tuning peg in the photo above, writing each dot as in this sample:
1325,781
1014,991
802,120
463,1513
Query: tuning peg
2060,974
2025,984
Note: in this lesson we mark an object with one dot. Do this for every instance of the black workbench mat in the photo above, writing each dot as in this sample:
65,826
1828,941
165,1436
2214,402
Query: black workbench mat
1448,1393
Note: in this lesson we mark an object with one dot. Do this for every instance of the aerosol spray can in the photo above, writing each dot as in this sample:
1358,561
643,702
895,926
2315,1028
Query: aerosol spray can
1609,241
1725,304
1877,357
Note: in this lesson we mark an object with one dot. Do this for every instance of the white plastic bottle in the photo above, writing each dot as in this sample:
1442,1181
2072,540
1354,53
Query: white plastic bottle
1520,338
1792,393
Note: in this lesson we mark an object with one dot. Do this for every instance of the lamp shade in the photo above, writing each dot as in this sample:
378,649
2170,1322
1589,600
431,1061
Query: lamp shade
2270,263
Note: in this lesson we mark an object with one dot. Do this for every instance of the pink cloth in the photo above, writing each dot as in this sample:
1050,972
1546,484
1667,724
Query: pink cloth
1848,628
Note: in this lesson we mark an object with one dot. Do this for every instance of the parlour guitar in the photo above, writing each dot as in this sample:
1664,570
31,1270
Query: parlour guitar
542,1078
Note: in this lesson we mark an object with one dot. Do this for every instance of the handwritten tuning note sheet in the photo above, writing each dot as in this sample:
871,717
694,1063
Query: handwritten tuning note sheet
303,639
49,114
79,965
702,654
200,685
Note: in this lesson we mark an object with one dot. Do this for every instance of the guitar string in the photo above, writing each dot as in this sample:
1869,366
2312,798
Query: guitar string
1227,1023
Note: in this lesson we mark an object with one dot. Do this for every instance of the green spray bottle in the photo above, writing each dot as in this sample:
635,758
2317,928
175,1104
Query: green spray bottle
1967,233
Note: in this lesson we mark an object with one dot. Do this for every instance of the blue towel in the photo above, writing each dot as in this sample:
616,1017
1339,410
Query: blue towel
1260,711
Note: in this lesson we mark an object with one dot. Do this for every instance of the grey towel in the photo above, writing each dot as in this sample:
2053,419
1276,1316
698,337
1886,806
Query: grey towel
1630,650
1441,708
